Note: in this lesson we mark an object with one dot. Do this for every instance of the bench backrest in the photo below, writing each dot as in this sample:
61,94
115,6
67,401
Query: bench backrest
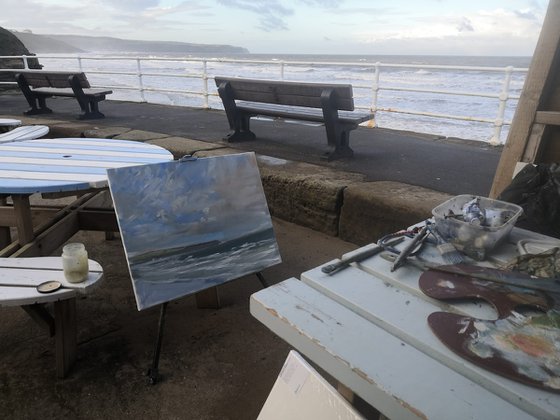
288,93
55,79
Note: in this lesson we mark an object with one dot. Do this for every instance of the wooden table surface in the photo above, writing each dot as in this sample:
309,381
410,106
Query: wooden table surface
367,327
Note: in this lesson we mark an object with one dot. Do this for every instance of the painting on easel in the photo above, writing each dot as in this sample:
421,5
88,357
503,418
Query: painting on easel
192,224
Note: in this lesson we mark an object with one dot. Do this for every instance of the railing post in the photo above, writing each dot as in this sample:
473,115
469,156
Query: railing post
504,96
80,63
25,63
205,84
374,93
281,70
140,80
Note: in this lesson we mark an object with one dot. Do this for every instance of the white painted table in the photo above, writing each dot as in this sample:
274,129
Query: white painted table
367,327
17,272
66,166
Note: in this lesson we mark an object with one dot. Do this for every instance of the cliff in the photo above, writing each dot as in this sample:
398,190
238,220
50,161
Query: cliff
81,43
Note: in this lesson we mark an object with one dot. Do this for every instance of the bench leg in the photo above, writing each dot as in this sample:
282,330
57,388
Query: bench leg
241,132
90,110
238,135
42,109
65,335
339,146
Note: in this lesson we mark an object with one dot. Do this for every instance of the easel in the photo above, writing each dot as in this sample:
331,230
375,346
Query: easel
203,302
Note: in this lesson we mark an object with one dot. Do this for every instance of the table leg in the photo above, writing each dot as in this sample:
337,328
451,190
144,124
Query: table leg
5,237
24,222
65,335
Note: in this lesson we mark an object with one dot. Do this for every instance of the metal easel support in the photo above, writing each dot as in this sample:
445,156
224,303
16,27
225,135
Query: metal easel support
153,371
262,279
153,374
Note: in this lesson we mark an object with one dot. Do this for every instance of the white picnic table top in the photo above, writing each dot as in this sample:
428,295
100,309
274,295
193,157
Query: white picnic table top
367,327
69,164
16,272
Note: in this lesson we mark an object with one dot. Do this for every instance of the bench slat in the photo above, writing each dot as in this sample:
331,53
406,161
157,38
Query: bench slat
54,79
69,92
299,113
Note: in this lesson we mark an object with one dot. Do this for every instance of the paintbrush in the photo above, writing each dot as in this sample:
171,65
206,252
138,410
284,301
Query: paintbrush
410,248
359,256
447,250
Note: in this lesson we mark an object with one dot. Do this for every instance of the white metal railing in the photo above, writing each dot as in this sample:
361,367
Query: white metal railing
138,71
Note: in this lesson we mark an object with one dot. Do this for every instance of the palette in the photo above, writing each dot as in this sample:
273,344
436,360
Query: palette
523,348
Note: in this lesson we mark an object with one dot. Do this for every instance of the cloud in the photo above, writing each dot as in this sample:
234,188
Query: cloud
322,3
465,25
131,5
270,12
492,26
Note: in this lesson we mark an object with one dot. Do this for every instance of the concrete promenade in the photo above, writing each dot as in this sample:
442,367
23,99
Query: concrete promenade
452,165
221,364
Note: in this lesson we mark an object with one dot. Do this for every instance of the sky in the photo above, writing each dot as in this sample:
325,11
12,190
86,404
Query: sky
425,27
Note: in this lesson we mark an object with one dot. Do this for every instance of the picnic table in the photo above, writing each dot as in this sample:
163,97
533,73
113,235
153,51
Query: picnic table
59,167
56,168
367,327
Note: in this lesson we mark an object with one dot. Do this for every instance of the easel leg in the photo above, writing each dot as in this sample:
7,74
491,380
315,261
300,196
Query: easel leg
153,371
262,280
208,299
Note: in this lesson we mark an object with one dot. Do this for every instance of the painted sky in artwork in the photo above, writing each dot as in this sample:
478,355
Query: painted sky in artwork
174,203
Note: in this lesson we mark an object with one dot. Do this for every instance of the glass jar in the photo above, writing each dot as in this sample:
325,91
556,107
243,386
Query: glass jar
75,262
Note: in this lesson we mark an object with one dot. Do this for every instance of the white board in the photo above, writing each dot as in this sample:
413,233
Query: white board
300,393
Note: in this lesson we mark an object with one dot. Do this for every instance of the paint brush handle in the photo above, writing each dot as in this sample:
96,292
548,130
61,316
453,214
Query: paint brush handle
359,256
405,253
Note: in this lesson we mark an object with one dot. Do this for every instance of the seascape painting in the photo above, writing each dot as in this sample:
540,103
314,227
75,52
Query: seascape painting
192,224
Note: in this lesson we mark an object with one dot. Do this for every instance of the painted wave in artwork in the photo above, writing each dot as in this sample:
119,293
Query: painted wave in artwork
196,267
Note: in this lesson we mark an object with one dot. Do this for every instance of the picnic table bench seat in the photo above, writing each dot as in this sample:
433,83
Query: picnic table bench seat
38,85
26,132
19,278
331,104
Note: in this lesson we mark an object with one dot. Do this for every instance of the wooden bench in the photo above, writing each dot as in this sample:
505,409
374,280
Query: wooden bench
39,85
331,104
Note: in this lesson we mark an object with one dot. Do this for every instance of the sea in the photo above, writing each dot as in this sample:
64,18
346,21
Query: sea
181,77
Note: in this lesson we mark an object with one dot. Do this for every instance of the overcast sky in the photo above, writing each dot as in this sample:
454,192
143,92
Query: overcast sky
457,27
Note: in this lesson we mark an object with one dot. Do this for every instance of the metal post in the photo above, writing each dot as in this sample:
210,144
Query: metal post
374,93
80,63
504,96
205,84
25,63
140,81
281,70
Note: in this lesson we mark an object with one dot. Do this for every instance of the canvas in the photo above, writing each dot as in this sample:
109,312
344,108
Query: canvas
192,224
